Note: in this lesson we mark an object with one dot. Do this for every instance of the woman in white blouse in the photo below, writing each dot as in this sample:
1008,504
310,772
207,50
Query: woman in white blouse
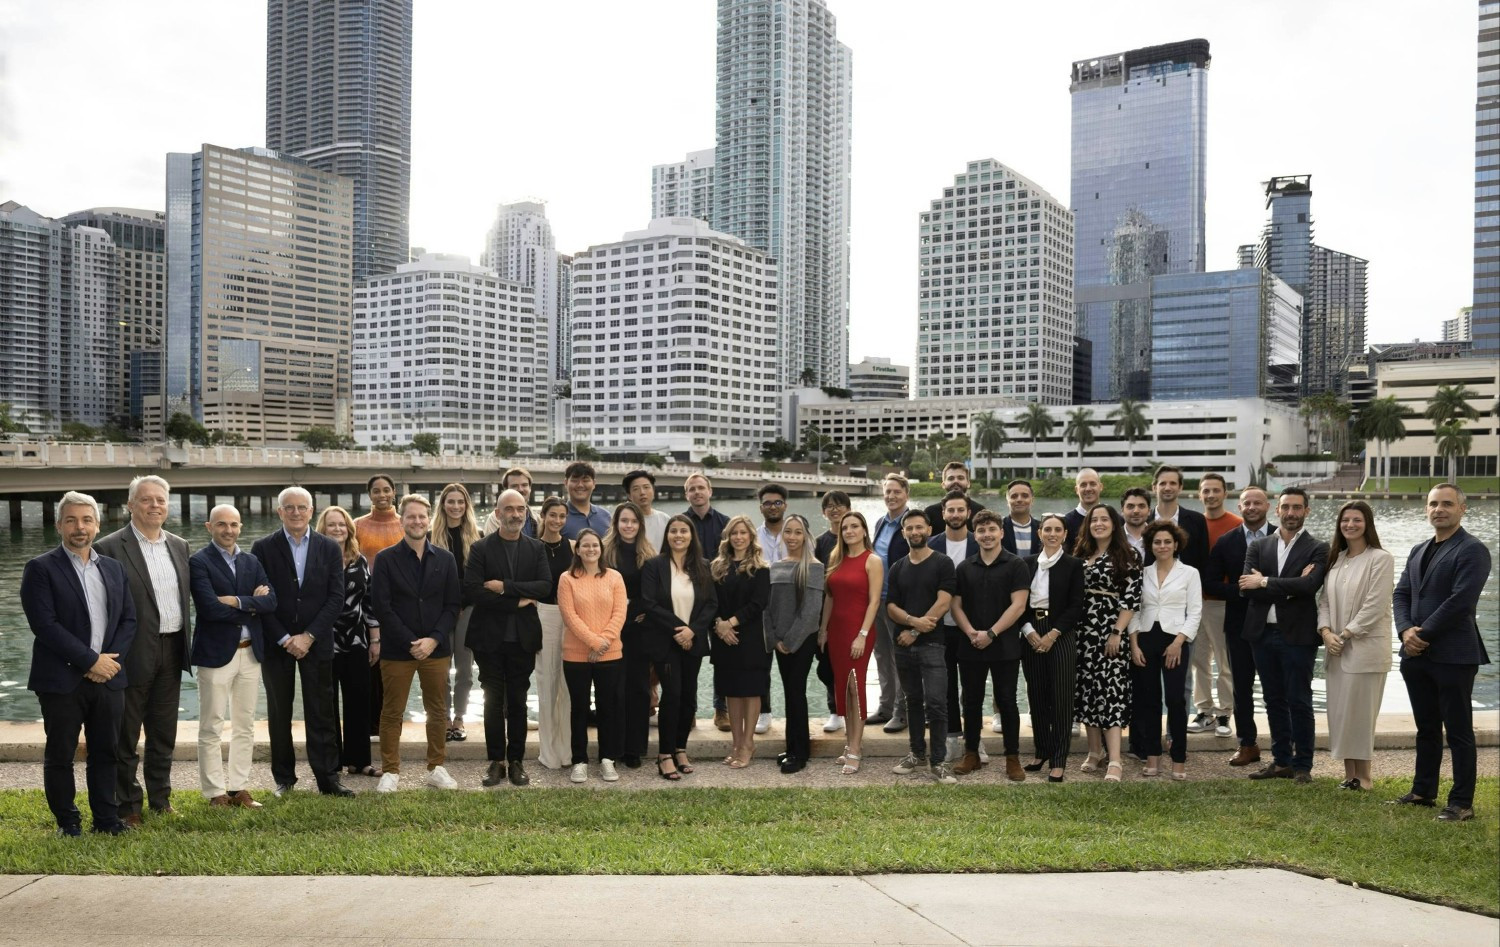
1161,636
1354,618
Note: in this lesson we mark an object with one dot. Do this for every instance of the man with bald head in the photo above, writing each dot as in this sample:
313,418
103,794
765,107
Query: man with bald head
306,573
505,575
1088,487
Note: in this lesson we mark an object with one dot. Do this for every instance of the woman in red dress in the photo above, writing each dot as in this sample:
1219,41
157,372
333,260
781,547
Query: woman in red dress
853,595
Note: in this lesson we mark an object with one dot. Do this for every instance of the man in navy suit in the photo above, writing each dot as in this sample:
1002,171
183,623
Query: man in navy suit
306,571
1441,650
78,607
887,542
231,593
1221,577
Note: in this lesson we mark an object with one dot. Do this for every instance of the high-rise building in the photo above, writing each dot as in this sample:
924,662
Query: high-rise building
1245,255
684,188
57,299
876,379
1461,327
520,248
1224,334
338,96
995,310
140,238
1286,243
259,294
1486,316
1333,321
675,344
1139,150
439,348
781,169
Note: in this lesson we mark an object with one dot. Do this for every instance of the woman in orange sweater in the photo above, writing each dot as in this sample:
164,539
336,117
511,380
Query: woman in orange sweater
592,601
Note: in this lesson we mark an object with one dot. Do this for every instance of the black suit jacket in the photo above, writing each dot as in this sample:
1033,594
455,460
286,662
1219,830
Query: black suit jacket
218,634
311,607
1008,536
1065,602
662,622
121,545
1195,524
1442,602
934,513
1221,577
52,598
939,543
1294,595
415,599
1073,520
495,612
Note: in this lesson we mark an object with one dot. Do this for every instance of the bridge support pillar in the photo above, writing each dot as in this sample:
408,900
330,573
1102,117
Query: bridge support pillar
15,512
49,513
185,501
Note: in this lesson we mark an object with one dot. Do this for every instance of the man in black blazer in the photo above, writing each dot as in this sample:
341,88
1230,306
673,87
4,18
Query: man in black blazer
955,480
231,592
1088,486
1168,487
505,575
156,569
77,605
1434,607
1221,577
1282,575
306,571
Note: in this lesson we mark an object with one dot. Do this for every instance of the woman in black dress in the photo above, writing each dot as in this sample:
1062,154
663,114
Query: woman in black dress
742,665
680,608
356,644
1112,596
627,550
1053,611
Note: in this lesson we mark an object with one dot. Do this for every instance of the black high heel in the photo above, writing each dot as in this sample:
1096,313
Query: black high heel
1054,779
674,775
1035,766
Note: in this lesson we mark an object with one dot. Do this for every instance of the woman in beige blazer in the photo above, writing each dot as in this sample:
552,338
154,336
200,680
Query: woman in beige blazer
1354,618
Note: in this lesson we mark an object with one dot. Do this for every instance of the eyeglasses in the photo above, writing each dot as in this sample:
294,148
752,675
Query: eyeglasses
296,509
773,503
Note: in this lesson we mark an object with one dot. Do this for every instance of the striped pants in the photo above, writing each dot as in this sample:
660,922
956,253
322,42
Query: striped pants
1051,678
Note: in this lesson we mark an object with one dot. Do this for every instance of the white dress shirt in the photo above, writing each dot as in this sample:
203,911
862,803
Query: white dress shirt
163,580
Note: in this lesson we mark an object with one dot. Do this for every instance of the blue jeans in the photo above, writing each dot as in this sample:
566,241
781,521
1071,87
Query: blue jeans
1286,673
923,670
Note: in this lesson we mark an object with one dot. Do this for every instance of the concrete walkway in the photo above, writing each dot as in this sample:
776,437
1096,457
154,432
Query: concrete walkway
1103,908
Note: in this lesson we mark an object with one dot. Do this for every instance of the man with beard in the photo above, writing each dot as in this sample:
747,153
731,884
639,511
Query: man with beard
955,480
1221,577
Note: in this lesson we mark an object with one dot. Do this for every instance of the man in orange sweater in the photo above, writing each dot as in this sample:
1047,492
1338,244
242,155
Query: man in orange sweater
1211,645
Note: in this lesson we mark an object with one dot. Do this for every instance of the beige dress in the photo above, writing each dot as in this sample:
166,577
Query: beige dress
1356,604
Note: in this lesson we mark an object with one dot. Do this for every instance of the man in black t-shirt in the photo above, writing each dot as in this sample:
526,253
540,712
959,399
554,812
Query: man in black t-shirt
921,588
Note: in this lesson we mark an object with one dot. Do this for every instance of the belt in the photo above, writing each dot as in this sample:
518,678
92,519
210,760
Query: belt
245,643
1110,592
1042,613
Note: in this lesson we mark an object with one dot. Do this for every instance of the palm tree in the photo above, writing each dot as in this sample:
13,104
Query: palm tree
1381,422
1453,442
1450,402
1036,422
989,436
1080,430
1130,423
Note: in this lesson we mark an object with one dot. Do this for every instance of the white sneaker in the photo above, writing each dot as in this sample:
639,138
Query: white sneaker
983,756
909,764
532,725
438,778
1221,727
388,782
995,724
955,747
834,725
763,723
580,773
943,773
607,771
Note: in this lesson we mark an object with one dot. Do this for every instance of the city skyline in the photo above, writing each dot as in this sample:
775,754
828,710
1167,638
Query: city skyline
1258,127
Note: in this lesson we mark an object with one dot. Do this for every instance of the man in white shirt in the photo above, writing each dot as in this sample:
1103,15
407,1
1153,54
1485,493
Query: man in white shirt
640,486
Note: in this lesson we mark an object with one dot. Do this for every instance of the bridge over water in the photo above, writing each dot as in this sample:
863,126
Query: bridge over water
250,477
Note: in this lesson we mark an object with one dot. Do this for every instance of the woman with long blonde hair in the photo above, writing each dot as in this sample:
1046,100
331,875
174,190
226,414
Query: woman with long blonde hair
356,644
742,665
455,529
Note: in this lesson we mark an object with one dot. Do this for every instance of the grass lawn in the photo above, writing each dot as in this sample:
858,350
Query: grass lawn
906,828
1423,484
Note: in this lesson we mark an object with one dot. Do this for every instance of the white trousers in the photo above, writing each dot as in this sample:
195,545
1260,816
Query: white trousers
553,719
1211,646
227,691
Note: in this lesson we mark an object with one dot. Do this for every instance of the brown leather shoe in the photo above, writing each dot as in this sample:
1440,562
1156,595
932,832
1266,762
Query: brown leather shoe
1013,770
721,720
1246,755
221,801
970,763
132,819
242,799
1272,771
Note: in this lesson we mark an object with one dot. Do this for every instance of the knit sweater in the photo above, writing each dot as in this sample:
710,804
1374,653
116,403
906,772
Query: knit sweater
377,532
593,612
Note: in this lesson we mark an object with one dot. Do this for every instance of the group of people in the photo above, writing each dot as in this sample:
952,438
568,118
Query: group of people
1103,612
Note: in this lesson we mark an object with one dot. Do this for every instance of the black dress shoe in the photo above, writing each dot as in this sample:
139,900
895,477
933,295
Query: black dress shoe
1272,771
69,831
781,757
1302,776
336,789
496,774
1455,814
117,828
793,764
631,761
518,775
876,719
1412,799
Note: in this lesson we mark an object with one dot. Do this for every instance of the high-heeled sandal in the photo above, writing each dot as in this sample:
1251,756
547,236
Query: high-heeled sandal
851,764
1149,771
1091,763
684,765
1113,771
1179,774
661,770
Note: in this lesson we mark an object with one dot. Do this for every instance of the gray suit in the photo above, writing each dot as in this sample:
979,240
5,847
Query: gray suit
154,668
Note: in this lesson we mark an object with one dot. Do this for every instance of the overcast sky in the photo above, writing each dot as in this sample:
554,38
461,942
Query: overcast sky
574,102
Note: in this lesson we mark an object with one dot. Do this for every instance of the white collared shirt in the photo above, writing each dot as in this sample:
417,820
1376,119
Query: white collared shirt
229,556
163,580
95,596
1282,548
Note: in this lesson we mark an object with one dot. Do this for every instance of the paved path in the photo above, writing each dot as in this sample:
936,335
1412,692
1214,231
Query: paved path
1103,908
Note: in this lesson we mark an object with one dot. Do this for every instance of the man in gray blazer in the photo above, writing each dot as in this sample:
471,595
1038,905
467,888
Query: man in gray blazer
1441,650
156,571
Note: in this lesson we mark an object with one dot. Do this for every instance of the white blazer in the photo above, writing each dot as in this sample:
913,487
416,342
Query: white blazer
1176,603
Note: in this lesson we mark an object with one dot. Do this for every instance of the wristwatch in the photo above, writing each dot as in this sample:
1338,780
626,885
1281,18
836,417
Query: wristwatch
1264,581
991,633
862,633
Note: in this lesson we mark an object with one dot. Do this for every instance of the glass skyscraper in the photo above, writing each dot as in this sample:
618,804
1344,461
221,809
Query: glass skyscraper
1139,158
1486,314
1251,319
338,96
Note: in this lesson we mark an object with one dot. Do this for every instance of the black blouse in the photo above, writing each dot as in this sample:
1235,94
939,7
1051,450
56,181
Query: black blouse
559,558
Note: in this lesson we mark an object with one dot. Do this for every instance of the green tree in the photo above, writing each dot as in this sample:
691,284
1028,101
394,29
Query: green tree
427,443
654,460
768,465
779,449
825,448
78,431
1080,430
507,447
227,439
712,462
1451,402
562,450
1035,423
1453,442
989,436
583,450
322,437
9,424
1381,422
1131,423
184,428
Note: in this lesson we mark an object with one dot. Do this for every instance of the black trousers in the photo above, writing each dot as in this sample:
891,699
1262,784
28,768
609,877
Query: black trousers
96,710
606,678
505,677
351,669
1150,685
1242,669
635,697
150,703
1441,700
794,668
924,683
825,674
676,712
1051,679
972,676
955,710
279,673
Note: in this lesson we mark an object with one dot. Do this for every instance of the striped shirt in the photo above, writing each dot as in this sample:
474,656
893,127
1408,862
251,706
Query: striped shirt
163,581
94,595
